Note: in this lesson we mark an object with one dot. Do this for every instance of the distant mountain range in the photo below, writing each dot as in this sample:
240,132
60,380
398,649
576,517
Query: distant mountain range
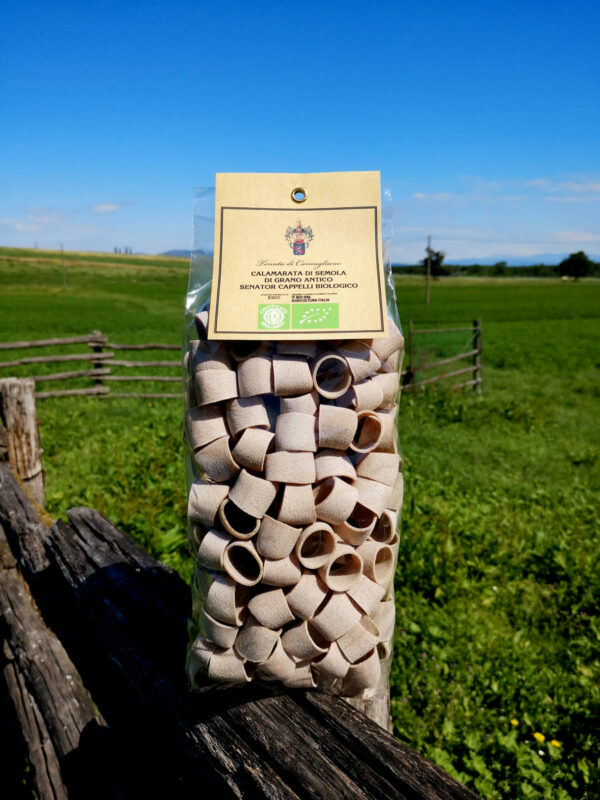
512,261
185,253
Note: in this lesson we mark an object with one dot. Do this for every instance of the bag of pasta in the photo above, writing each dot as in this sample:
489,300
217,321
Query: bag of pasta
293,350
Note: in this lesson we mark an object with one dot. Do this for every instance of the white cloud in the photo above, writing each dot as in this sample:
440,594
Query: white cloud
483,191
572,198
482,185
576,237
17,224
512,199
105,208
580,186
437,230
577,186
437,197
44,216
540,182
36,220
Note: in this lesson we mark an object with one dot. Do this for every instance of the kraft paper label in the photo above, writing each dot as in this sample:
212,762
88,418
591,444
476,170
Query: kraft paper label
298,270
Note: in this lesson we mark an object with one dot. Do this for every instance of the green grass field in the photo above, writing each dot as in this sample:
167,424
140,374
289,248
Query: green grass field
497,654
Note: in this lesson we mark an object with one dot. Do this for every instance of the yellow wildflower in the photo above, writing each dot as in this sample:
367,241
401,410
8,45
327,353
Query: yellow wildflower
539,737
554,743
514,722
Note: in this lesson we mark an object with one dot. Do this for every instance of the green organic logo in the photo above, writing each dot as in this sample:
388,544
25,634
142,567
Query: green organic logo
312,316
273,316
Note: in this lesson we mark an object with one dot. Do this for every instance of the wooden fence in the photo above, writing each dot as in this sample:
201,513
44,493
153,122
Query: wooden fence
410,381
101,357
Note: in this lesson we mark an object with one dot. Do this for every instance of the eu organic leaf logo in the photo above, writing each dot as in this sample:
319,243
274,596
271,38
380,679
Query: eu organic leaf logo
312,316
315,315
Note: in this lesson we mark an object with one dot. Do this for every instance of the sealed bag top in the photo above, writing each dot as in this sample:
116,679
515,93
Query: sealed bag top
298,257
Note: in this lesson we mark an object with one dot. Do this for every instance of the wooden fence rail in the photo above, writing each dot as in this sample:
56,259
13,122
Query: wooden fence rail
93,639
102,359
414,366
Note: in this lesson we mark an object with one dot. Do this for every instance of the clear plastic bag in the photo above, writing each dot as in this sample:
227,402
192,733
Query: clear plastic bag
295,489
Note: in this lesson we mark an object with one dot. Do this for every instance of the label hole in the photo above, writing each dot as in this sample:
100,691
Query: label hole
299,194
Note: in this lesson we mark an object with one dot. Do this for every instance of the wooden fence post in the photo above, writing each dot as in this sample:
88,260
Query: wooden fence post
478,347
97,341
19,431
376,708
411,357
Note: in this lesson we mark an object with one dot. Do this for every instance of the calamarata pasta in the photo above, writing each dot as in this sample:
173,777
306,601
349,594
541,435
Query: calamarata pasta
293,509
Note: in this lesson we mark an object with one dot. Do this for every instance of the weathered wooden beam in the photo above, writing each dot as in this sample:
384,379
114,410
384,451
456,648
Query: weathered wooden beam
18,417
46,779
122,617
54,710
14,762
3,441
34,743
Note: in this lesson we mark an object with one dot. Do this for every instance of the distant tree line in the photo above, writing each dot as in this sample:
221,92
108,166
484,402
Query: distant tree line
577,265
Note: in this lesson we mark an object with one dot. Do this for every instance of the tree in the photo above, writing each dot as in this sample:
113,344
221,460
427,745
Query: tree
499,268
437,267
577,265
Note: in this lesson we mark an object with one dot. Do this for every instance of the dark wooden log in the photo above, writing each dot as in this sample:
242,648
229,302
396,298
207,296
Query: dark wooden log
122,617
46,779
62,731
14,762
23,527
24,730
3,441
18,416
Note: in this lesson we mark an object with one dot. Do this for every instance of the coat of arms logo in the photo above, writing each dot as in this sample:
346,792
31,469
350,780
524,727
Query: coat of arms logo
299,238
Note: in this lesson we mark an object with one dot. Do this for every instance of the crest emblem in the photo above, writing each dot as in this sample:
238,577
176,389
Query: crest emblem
299,238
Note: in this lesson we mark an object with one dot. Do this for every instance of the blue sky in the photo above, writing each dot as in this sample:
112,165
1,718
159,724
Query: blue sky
484,118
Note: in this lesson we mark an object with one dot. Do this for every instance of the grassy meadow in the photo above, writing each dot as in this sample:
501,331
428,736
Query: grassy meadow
497,654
